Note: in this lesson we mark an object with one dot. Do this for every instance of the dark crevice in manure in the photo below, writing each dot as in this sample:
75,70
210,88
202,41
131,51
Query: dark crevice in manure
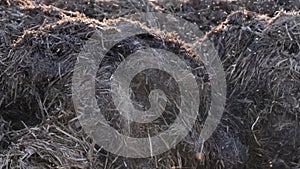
217,151
148,80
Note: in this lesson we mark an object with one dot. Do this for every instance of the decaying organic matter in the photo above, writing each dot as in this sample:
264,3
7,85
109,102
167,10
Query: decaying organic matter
261,57
260,52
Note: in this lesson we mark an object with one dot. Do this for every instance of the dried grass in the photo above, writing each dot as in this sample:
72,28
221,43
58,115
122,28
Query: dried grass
38,48
261,56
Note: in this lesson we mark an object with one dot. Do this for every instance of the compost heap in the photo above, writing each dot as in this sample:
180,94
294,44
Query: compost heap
260,54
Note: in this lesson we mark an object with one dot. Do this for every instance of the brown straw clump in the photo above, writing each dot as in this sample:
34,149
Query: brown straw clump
100,10
23,15
39,128
261,56
44,130
210,13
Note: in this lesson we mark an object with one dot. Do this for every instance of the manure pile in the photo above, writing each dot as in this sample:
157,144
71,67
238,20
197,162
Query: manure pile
258,44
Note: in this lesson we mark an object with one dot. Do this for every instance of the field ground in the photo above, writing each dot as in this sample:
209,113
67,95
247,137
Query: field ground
257,41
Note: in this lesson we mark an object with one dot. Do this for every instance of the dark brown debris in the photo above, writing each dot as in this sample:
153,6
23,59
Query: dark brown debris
258,43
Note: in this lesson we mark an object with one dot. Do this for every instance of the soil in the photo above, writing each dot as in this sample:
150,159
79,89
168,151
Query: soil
258,44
